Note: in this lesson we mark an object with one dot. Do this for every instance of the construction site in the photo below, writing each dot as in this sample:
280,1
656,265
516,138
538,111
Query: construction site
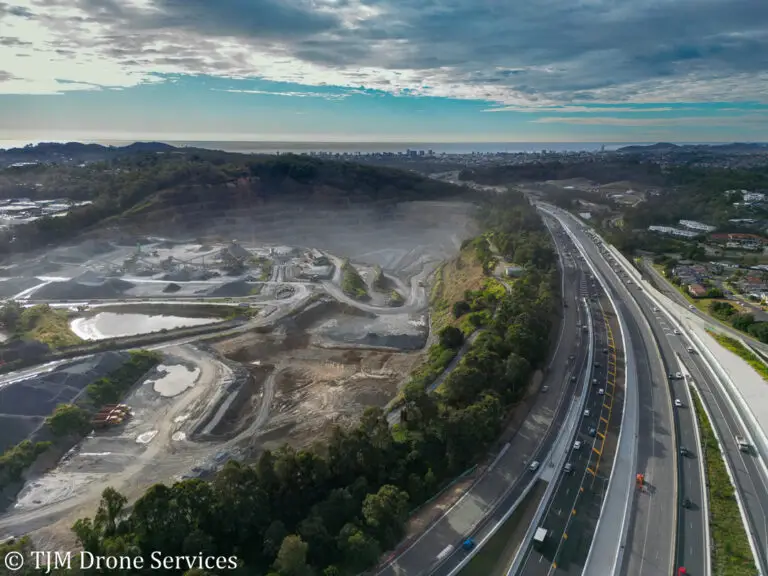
310,355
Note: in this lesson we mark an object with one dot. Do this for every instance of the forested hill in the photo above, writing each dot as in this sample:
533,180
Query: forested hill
147,188
75,152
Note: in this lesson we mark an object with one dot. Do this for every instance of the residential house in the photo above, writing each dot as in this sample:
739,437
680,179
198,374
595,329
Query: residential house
697,290
698,226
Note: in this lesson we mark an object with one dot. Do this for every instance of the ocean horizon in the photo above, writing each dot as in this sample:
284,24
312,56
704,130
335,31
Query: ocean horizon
363,147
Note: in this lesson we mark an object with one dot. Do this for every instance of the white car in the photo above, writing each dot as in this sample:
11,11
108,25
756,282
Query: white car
676,331
577,445
678,403
601,392
586,412
534,466
568,468
691,306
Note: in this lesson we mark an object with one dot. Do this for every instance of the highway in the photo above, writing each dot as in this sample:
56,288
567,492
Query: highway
748,474
483,506
750,480
573,512
650,545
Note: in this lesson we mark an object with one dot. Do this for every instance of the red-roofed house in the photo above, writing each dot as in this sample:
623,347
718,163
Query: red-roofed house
697,290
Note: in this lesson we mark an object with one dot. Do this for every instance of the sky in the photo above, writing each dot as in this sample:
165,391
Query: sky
385,70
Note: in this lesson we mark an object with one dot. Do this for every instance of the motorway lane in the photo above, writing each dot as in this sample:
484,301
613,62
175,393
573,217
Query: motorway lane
494,493
649,549
582,490
691,546
749,476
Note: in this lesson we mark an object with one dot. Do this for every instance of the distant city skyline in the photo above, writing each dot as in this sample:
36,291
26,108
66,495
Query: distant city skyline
394,70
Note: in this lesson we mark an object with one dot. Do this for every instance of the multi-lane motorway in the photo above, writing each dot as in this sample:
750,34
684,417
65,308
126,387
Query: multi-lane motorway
573,511
750,480
691,534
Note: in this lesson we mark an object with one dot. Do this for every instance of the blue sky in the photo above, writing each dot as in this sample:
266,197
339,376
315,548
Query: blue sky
385,70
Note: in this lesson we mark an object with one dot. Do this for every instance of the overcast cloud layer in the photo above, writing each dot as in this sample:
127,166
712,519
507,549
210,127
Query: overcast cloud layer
528,54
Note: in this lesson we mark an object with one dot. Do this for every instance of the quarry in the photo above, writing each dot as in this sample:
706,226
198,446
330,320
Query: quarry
309,355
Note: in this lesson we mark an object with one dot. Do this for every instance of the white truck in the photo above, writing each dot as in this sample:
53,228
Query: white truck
540,535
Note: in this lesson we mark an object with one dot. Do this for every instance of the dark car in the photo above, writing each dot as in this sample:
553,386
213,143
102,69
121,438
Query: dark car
687,503
683,451
592,432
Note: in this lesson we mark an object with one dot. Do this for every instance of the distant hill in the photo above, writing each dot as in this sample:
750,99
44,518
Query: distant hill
75,152
153,190
733,148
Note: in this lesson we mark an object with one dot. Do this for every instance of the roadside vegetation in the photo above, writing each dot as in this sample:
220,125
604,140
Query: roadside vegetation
731,554
352,283
740,350
332,510
69,420
41,323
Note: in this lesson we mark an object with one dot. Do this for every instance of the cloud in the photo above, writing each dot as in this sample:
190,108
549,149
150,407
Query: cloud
589,109
708,121
519,54
327,96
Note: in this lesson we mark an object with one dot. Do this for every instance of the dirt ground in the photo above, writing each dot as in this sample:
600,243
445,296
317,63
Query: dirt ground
311,388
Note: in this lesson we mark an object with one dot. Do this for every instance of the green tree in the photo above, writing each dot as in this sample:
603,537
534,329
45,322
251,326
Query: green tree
292,557
385,512
451,337
68,419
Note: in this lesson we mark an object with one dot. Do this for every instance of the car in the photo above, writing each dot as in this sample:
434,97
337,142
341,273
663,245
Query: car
678,375
678,403
601,392
545,388
671,375
655,309
605,350
573,378
577,445
568,468
690,350
586,412
682,571
691,306
687,503
683,451
534,466
676,331
597,364
592,431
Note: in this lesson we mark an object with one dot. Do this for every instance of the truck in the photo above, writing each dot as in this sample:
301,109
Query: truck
540,535
743,444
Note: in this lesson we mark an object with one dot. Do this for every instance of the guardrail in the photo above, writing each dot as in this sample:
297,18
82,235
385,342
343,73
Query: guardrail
627,444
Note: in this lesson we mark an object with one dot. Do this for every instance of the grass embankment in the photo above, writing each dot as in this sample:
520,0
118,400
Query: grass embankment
352,283
452,280
740,350
731,554
47,325
67,420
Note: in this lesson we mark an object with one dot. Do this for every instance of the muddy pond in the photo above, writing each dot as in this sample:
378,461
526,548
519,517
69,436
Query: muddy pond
112,324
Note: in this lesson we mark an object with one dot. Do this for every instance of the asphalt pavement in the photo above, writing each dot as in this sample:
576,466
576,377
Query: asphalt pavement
574,510
747,472
691,550
649,549
493,494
